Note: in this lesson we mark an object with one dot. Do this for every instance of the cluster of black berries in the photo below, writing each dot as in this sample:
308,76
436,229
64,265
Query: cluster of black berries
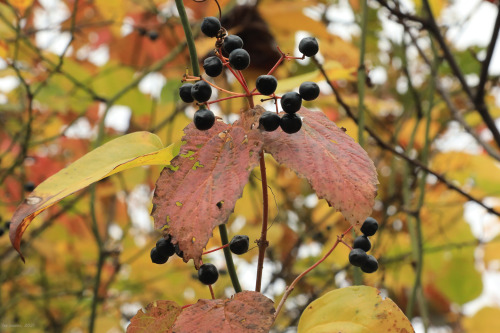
358,256
163,250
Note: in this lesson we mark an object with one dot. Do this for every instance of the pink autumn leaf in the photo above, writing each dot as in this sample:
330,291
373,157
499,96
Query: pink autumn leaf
159,317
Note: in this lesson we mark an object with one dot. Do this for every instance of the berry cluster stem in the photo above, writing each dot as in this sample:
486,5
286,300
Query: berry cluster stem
262,242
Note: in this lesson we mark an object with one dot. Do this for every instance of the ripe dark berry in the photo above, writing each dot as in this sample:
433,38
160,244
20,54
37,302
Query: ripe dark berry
2,231
308,46
291,102
363,243
369,227
153,35
178,251
231,43
201,91
29,186
357,257
270,121
185,93
370,265
239,244
239,59
208,274
309,91
290,123
204,119
165,247
213,66
210,26
266,84
157,257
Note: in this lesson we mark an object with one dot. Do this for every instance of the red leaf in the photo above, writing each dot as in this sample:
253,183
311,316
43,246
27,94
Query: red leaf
248,311
337,168
159,317
198,191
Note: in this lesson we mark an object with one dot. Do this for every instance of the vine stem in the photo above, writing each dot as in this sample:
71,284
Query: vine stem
262,242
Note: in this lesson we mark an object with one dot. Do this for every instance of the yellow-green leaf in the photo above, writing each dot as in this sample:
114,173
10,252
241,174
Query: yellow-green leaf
358,309
125,152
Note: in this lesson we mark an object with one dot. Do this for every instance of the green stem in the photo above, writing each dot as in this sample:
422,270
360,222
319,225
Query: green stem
229,259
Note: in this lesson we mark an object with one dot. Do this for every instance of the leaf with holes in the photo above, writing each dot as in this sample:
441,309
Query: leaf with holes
159,317
198,191
248,312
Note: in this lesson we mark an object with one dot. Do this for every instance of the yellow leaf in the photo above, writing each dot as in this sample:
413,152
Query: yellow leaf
484,321
21,5
358,309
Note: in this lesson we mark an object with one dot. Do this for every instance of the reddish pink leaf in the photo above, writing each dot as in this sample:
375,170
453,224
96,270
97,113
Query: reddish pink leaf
159,318
198,191
337,168
248,311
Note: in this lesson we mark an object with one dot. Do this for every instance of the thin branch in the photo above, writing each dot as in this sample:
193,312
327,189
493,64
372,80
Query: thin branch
262,242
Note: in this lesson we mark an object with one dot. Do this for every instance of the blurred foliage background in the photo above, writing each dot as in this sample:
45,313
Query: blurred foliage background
74,73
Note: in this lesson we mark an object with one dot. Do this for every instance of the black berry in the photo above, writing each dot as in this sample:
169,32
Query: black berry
165,247
2,231
210,26
369,227
213,66
266,84
29,186
239,244
201,91
308,46
185,93
239,59
208,274
270,121
204,119
291,102
370,265
231,43
290,123
357,257
7,225
153,35
157,257
178,251
363,243
309,91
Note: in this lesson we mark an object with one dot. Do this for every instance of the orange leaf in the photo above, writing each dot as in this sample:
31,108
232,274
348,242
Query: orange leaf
159,317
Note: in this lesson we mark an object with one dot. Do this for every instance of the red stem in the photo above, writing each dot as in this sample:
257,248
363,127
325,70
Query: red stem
262,242
211,291
217,249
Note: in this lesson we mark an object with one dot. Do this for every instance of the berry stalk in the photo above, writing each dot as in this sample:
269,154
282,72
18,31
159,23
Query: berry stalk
229,259
262,242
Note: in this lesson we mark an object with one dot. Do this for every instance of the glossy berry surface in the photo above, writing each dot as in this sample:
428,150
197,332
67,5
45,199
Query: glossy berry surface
231,43
201,91
239,244
308,46
266,84
370,265
290,123
178,251
165,247
157,257
208,274
369,227
185,93
213,66
239,59
153,35
269,121
309,91
204,119
210,26
357,257
363,243
291,102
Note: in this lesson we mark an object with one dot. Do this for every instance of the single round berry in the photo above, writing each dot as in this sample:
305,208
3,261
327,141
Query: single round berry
239,244
185,93
370,265
29,186
213,66
363,243
308,46
7,225
309,91
2,231
157,257
231,43
201,91
269,121
369,227
357,257
204,119
291,102
290,123
165,247
210,26
239,59
178,251
266,84
208,274
153,35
